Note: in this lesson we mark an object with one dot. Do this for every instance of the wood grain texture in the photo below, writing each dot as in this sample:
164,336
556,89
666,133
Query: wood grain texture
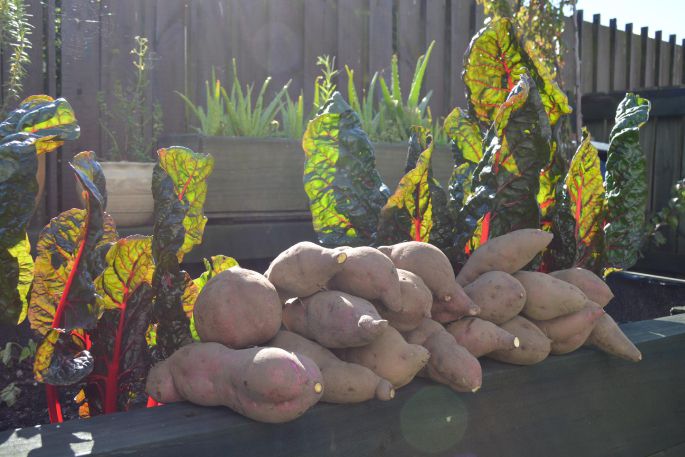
585,403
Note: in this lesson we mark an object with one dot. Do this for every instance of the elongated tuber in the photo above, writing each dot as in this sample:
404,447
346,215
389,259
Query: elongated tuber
564,327
334,319
238,308
481,337
345,382
534,347
548,297
416,303
498,294
264,384
608,337
589,283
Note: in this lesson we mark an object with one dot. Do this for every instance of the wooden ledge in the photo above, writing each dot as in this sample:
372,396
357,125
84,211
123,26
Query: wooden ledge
582,404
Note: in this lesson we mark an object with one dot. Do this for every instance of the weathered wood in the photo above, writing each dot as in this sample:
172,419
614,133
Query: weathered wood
286,48
410,41
621,53
353,31
667,157
585,403
380,36
460,37
437,73
320,38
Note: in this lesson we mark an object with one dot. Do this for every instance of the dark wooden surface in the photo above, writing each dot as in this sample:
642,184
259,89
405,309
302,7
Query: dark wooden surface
583,404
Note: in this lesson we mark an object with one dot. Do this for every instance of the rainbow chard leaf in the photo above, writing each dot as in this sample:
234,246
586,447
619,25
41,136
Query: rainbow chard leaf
418,208
550,175
493,65
626,185
62,358
345,191
121,353
466,142
506,180
585,188
561,252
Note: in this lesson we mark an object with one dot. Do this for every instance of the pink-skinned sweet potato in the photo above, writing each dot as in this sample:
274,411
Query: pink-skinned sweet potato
572,343
608,337
416,303
481,337
390,357
334,319
548,297
264,384
304,269
345,382
498,294
534,347
431,265
508,253
238,308
449,363
369,274
564,327
589,283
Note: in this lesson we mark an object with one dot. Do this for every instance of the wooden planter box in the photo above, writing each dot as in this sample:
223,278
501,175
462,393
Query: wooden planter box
582,404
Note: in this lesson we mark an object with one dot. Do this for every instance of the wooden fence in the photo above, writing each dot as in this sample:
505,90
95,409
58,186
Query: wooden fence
82,47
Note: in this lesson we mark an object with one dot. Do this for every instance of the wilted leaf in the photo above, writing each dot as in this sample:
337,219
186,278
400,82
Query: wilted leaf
345,191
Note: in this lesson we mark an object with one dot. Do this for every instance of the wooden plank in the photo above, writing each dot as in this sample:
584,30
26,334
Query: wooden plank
437,70
353,32
286,45
667,157
621,58
80,76
250,24
658,58
587,58
603,59
663,63
648,139
612,53
320,38
665,103
672,56
380,36
53,168
460,37
568,72
604,405
411,40
596,42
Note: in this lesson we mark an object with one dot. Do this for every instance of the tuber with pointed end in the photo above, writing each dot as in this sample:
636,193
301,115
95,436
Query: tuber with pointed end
508,253
608,337
572,343
334,319
416,303
589,283
390,357
369,274
304,269
564,327
264,384
548,297
481,337
534,345
345,382
449,363
498,294
431,265
238,308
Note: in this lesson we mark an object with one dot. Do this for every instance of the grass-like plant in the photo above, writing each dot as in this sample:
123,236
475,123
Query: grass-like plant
15,30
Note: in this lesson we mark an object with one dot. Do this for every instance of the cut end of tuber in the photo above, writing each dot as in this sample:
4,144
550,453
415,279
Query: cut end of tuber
341,258
392,393
475,389
517,342
474,309
318,387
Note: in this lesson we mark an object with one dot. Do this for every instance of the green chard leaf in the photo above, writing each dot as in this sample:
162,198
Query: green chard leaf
506,180
418,208
493,64
626,185
466,142
345,191
561,252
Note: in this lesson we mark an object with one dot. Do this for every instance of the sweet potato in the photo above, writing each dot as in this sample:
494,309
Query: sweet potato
416,303
264,384
334,319
508,253
548,297
564,327
304,269
572,343
369,274
498,294
589,283
238,308
345,382
534,348
429,263
449,363
608,337
481,337
390,357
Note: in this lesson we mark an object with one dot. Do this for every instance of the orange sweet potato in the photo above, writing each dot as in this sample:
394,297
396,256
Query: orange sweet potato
238,308
508,253
498,294
334,319
548,297
416,303
534,348
564,327
304,269
608,337
345,382
369,274
589,283
449,363
481,337
264,384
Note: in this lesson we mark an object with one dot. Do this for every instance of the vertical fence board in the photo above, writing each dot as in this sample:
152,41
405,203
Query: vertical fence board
34,82
286,48
587,58
380,36
410,40
80,81
320,38
635,60
53,169
664,63
250,21
603,60
436,72
647,140
568,72
460,36
352,39
667,153
672,60
620,60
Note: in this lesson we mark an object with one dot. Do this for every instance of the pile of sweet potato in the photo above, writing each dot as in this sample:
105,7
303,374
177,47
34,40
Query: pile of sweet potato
347,325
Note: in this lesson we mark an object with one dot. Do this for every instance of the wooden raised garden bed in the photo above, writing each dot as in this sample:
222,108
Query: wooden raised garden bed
582,404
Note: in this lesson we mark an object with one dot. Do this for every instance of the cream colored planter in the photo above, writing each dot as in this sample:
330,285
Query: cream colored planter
129,192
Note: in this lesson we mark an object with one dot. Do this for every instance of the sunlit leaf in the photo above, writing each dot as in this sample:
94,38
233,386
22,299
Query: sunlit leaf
466,142
87,163
61,359
345,190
